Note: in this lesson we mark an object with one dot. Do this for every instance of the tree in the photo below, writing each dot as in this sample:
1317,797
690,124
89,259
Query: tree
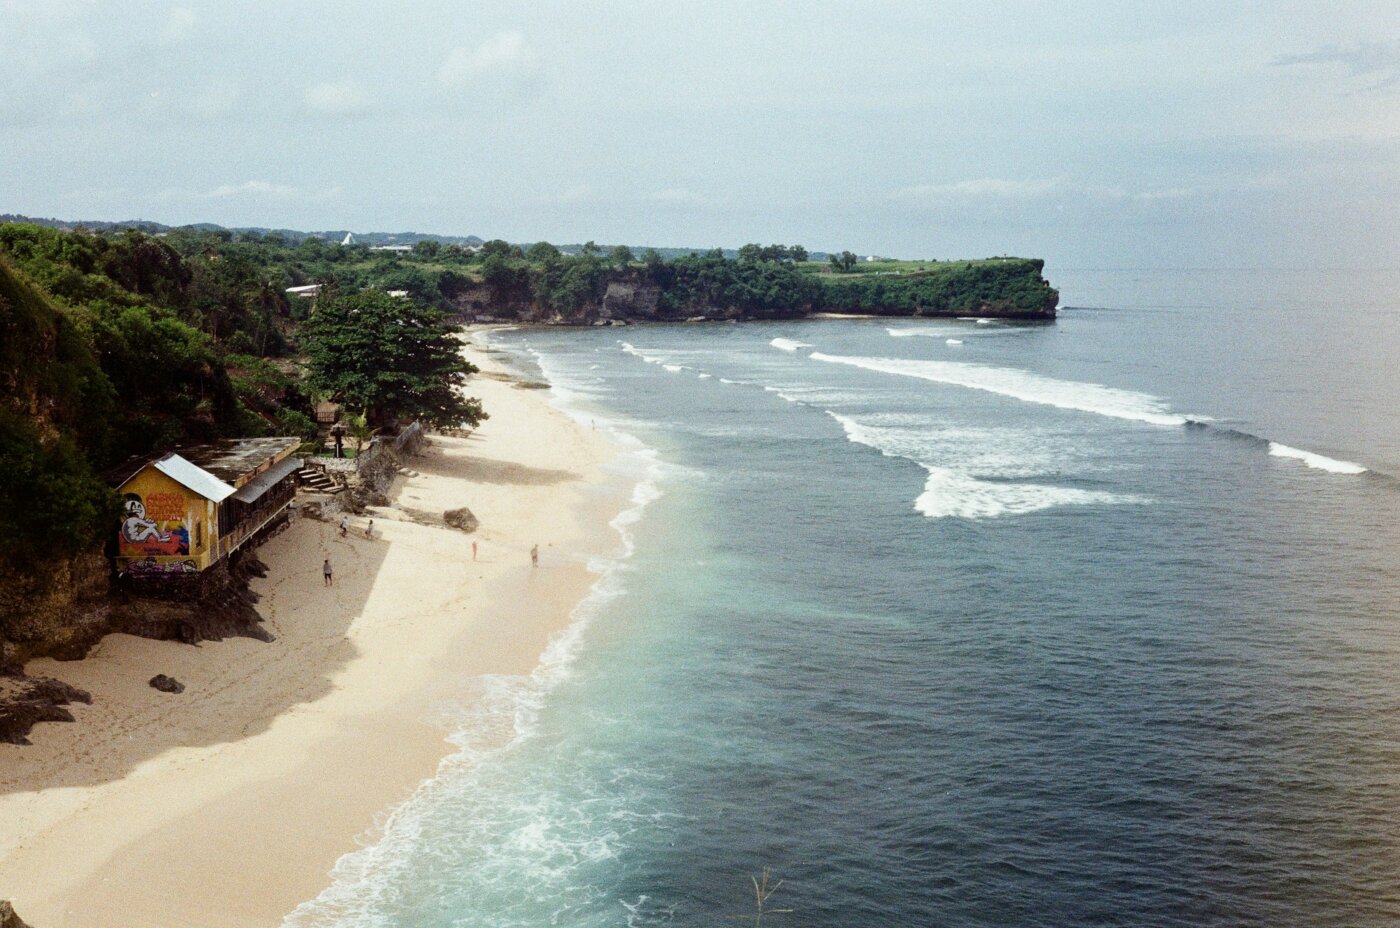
797,253
500,247
843,262
621,256
543,253
590,249
427,248
751,253
391,358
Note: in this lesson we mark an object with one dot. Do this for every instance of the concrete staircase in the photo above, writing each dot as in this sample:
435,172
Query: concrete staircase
317,481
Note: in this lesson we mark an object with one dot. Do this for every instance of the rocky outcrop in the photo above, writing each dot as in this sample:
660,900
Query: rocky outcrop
461,519
57,609
630,299
166,684
8,918
27,701
221,606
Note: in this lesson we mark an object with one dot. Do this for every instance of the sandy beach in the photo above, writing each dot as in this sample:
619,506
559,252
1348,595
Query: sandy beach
229,804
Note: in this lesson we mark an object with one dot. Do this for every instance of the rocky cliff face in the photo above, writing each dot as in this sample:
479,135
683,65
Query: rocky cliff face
630,299
58,609
1013,289
63,608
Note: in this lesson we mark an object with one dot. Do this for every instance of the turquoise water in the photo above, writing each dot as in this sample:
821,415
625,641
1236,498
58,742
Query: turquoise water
958,624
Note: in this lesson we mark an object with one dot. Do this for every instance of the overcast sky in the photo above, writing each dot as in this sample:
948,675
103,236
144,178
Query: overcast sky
1094,134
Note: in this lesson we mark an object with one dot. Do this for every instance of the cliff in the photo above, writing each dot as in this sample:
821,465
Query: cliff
712,288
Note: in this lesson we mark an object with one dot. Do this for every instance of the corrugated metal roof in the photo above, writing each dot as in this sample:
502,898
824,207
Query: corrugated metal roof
268,479
194,478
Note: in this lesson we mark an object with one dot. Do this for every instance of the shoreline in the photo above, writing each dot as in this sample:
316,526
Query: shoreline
280,758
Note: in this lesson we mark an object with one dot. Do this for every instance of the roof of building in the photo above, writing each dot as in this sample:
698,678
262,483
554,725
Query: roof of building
268,479
194,478
234,459
230,462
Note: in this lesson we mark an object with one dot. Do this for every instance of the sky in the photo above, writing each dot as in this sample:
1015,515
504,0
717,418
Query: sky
1093,134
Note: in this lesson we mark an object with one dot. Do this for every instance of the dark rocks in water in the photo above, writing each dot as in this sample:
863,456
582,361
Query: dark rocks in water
167,684
27,701
8,918
461,519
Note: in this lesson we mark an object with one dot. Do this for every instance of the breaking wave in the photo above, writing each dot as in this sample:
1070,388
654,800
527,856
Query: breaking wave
1317,461
1024,386
788,344
951,492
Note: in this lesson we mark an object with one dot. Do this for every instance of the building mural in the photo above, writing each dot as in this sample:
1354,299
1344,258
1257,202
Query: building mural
182,514
154,526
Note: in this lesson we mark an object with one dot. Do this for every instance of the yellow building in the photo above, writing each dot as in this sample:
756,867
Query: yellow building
187,509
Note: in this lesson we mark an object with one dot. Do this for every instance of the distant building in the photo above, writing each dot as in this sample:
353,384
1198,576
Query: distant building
401,294
398,249
348,240
327,412
308,292
185,510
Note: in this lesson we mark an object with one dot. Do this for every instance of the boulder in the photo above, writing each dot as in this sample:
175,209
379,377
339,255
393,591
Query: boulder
167,684
461,519
8,918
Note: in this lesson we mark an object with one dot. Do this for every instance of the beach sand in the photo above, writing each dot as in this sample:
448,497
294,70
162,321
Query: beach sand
228,805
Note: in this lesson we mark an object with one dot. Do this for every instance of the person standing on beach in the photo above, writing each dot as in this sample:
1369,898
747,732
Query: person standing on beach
473,550
369,529
326,572
344,525
535,556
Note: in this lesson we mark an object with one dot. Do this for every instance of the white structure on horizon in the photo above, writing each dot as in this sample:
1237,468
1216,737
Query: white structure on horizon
308,292
400,249
349,239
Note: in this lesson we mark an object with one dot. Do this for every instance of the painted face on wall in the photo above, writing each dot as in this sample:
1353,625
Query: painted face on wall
142,536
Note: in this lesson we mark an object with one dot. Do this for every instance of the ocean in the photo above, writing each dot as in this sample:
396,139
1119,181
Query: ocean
956,623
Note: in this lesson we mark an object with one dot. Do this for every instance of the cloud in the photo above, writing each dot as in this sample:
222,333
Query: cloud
986,187
254,188
1006,190
1376,59
504,53
336,99
178,27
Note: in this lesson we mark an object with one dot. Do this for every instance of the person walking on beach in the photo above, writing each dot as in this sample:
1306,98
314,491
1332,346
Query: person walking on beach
326,572
473,550
344,525
369,529
535,556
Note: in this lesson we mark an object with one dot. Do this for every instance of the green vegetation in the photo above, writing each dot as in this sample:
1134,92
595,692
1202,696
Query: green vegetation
120,343
390,358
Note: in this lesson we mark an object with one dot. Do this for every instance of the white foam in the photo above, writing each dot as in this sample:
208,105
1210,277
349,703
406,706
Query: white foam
958,493
948,494
1317,461
673,368
788,344
1024,386
955,341
504,715
648,356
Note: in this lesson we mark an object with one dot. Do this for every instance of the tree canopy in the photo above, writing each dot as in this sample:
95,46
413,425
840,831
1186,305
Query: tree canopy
391,358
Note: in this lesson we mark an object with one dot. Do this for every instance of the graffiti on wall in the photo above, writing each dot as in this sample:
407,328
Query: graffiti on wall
154,526
150,567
